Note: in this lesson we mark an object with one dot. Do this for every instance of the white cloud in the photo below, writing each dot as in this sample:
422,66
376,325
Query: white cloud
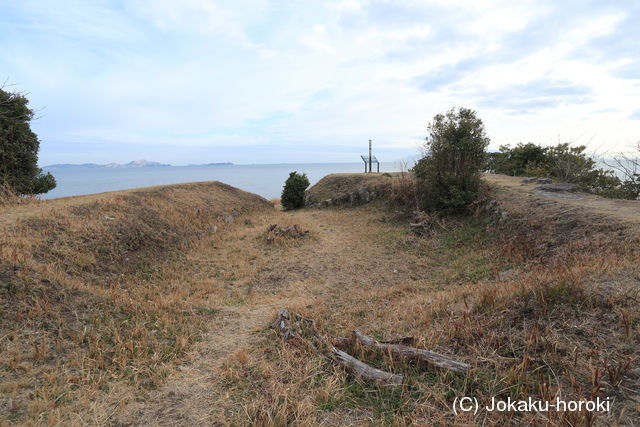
205,72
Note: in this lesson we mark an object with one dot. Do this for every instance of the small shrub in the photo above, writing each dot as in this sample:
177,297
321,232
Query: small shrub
448,176
293,191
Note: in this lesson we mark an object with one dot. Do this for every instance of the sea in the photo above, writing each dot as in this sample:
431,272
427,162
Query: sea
264,180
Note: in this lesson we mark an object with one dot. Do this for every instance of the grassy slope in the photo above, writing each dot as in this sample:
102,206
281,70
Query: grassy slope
91,296
338,184
544,302
541,304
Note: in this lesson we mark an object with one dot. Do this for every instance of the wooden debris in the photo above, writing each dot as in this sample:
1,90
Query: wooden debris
363,370
400,349
282,324
275,231
424,223
289,329
410,353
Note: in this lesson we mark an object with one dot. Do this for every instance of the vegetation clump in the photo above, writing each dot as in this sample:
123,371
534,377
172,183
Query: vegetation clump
566,163
293,191
448,176
19,148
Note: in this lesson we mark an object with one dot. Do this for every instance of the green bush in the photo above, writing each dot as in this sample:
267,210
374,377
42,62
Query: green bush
523,159
563,162
448,176
293,191
19,148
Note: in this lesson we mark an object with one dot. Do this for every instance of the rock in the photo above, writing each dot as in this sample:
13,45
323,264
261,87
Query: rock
345,198
535,180
558,187
363,195
310,200
231,217
353,198
213,228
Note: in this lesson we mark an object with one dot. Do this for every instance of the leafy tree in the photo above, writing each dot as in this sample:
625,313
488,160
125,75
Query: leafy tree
19,147
448,176
523,159
293,191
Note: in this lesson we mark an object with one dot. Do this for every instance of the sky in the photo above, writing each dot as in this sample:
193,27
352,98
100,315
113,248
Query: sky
199,81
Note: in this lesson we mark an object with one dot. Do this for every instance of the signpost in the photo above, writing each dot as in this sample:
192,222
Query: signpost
369,160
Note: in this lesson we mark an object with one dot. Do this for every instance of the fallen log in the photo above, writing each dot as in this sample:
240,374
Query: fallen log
363,370
411,353
355,366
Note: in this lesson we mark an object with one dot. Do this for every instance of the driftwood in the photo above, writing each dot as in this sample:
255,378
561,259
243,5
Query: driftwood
410,353
357,367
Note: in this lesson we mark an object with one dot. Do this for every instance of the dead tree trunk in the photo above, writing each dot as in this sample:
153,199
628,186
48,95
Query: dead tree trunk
287,331
411,353
363,370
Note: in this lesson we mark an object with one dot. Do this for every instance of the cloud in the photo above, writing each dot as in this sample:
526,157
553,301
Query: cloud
535,95
447,74
208,73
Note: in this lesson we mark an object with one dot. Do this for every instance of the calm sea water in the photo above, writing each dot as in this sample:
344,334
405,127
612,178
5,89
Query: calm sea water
265,180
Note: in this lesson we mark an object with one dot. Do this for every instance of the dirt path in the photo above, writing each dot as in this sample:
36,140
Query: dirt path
338,254
626,210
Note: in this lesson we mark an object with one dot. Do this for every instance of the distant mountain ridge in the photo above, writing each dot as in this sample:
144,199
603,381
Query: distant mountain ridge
132,164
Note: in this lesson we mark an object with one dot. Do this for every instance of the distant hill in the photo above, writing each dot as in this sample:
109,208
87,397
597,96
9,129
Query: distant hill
214,164
132,164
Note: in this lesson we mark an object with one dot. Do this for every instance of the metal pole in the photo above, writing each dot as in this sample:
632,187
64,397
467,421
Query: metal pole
370,170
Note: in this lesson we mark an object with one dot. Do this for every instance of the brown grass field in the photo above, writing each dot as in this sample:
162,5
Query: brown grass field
152,307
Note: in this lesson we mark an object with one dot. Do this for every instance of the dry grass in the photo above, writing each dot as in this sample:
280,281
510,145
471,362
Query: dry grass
94,305
338,184
542,303
9,199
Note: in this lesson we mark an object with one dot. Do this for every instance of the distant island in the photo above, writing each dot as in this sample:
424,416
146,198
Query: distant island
132,164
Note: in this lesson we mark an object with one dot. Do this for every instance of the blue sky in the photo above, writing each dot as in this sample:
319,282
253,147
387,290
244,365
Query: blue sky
198,81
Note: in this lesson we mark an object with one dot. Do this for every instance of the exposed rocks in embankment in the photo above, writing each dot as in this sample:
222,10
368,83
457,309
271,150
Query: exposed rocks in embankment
347,190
